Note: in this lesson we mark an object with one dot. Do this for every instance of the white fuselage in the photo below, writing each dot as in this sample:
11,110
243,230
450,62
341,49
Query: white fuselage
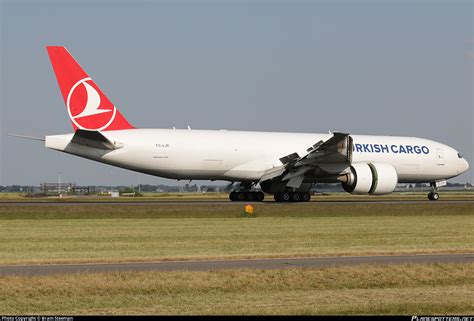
246,156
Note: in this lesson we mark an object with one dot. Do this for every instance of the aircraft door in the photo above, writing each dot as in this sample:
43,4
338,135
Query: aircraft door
440,156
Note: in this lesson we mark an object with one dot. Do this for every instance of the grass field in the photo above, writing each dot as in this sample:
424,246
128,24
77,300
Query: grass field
108,233
406,289
224,196
53,234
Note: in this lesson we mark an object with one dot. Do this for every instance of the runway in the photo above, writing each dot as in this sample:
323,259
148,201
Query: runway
277,263
223,202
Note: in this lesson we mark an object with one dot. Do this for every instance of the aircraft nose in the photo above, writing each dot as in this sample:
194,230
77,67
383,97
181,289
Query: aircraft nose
464,165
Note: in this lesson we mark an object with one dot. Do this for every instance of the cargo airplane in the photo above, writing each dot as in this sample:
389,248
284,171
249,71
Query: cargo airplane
283,164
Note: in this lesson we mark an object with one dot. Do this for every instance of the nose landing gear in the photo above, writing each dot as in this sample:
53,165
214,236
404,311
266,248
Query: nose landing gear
433,195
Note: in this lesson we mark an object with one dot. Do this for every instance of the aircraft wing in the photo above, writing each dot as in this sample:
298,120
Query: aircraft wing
334,152
337,149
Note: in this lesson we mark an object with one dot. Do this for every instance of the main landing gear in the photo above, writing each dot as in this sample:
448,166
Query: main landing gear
292,196
250,196
246,196
433,195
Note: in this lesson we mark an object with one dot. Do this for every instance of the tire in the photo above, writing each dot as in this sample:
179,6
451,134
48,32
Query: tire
249,196
259,196
277,197
433,196
232,196
296,197
306,197
285,197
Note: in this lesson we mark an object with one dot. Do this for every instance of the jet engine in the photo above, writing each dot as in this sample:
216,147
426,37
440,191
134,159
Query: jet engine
370,178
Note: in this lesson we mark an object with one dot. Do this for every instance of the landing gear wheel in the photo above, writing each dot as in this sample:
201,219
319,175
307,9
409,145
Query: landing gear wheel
306,197
246,196
285,197
433,196
282,197
292,197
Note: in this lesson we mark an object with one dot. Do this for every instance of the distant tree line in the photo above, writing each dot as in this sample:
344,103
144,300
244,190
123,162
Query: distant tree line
148,188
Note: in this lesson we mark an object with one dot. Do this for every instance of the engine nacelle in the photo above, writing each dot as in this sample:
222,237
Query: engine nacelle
370,178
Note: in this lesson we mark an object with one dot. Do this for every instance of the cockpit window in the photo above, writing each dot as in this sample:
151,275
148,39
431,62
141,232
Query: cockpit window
459,155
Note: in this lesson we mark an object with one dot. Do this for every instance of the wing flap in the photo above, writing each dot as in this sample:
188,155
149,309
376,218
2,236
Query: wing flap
289,158
272,173
295,182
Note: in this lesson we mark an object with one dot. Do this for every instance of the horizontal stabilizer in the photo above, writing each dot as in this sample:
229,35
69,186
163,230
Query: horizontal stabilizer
92,139
27,137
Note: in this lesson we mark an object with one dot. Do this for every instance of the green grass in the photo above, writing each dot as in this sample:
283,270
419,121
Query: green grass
224,196
108,233
231,210
431,289
53,234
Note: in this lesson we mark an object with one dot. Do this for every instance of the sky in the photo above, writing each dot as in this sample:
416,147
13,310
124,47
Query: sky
363,67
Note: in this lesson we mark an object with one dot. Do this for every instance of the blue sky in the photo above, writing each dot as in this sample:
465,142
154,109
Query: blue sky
364,67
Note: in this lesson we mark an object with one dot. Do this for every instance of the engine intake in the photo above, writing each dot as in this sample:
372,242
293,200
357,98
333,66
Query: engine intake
370,178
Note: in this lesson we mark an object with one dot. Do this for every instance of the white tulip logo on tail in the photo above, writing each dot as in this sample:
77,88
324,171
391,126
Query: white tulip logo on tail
88,107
